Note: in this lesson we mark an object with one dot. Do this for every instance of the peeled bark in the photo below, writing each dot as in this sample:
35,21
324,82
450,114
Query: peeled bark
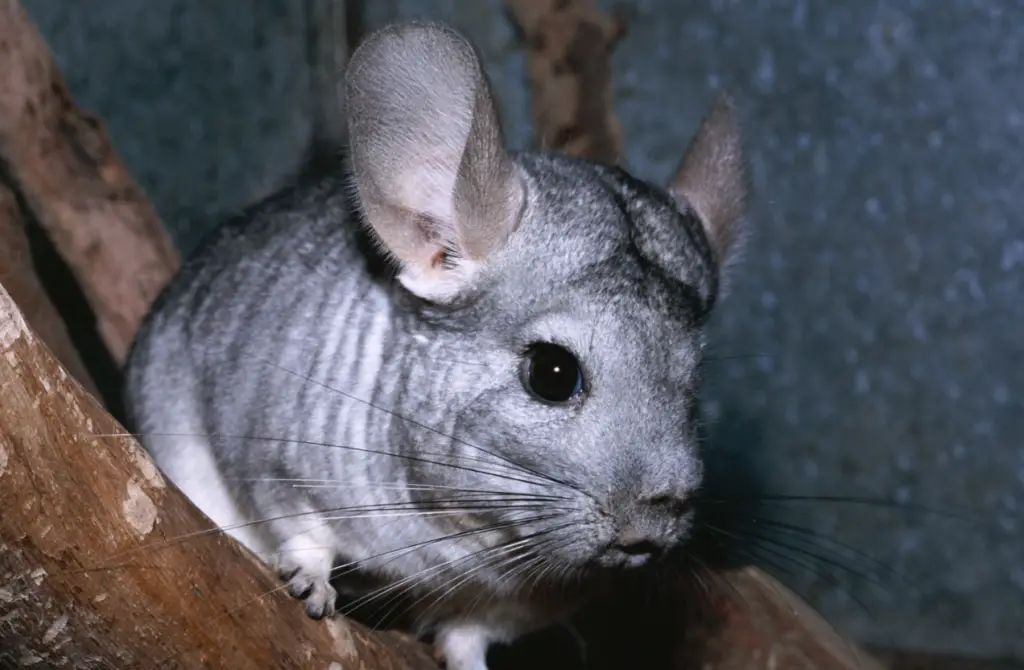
63,163
91,570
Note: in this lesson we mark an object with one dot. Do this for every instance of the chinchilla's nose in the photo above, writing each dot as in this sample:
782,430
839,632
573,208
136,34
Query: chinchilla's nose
647,529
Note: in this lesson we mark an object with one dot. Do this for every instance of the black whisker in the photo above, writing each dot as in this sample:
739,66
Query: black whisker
328,445
297,482
422,425
284,586
821,557
853,500
503,525
454,584
810,534
409,506
776,566
736,357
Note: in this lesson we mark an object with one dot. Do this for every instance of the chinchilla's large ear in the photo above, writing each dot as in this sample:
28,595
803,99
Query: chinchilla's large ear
431,171
712,180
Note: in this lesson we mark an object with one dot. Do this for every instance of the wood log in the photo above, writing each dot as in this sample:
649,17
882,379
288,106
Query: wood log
568,43
63,163
91,570
759,623
18,274
754,622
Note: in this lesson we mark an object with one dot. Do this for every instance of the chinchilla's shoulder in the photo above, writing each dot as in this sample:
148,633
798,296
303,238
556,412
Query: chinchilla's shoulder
289,231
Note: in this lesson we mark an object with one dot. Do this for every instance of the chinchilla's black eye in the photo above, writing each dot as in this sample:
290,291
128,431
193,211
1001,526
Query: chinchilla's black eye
552,373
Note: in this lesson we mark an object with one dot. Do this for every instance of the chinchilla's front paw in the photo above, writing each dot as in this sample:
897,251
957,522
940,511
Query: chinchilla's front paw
462,646
311,584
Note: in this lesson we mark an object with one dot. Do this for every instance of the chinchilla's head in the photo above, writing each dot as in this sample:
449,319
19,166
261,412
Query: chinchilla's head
561,302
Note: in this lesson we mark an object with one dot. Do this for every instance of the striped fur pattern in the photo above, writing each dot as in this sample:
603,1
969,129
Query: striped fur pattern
336,377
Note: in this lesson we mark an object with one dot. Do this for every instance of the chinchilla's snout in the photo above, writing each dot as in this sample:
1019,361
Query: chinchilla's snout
647,529
649,514
647,521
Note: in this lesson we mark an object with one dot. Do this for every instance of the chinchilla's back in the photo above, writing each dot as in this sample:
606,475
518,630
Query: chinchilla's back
229,347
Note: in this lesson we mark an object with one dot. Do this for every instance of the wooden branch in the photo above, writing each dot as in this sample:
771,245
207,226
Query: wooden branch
568,43
89,573
79,190
18,274
757,622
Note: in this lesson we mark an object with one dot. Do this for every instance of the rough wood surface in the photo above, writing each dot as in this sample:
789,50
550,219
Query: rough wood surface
89,574
79,190
759,623
568,44
18,274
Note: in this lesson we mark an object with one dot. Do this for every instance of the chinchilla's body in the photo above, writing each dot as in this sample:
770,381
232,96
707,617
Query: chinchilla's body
502,420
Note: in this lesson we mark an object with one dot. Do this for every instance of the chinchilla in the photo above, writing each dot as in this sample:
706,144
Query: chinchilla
501,415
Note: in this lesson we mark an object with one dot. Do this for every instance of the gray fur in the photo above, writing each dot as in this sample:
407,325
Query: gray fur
280,373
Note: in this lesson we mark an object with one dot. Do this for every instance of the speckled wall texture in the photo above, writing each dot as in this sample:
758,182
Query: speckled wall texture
873,343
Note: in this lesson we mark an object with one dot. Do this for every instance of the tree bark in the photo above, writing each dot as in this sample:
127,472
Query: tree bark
91,572
758,623
79,190
568,44
18,274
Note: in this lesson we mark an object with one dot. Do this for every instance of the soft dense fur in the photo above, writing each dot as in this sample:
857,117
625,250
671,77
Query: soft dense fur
332,416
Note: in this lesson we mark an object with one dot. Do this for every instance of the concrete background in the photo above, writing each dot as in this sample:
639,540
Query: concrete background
872,345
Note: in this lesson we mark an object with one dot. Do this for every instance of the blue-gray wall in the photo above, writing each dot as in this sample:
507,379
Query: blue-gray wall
873,345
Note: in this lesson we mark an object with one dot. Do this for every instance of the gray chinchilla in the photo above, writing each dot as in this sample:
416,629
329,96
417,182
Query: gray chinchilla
501,417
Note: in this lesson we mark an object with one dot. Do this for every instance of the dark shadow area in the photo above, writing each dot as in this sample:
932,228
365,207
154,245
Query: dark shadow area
67,296
60,285
653,619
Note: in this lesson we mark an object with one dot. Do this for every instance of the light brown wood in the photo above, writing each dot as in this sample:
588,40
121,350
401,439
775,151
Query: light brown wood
568,44
759,623
63,163
18,274
90,574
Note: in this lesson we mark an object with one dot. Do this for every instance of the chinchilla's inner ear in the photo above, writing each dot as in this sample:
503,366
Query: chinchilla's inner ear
712,180
431,171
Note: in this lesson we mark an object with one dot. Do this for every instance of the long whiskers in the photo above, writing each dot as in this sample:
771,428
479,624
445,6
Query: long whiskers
398,588
317,483
777,499
445,538
420,424
329,445
496,561
409,508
